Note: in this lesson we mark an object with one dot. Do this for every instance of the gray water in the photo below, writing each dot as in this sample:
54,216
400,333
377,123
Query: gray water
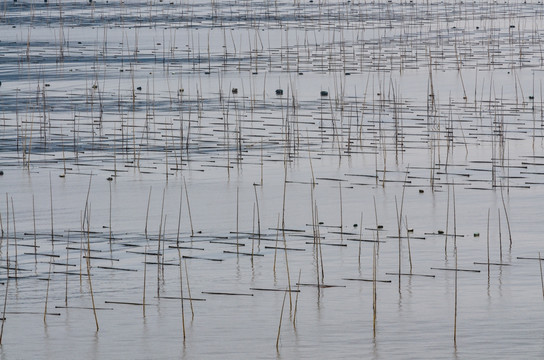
433,114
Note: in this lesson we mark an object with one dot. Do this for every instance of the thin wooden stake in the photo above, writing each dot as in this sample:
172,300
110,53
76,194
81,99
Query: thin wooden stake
377,226
374,292
34,223
189,290
360,238
110,216
179,215
147,212
89,266
488,265
408,240
159,247
188,207
4,311
51,201
541,277
14,239
181,294
276,245
66,278
500,235
341,217
288,273
296,300
47,291
456,272
279,326
447,224
258,214
507,219
399,222
237,217
145,278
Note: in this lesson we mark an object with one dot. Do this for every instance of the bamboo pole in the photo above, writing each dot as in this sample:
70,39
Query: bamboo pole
279,326
147,211
181,294
145,279
541,276
188,207
47,291
189,290
237,219
500,235
14,240
374,292
360,238
456,272
66,276
507,219
89,266
34,224
296,300
408,241
258,214
159,248
51,201
4,310
488,262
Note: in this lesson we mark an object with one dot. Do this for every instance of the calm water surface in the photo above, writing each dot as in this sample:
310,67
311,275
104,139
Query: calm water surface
115,114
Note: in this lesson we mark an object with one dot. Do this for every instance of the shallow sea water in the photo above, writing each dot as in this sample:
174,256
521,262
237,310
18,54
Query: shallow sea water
433,109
